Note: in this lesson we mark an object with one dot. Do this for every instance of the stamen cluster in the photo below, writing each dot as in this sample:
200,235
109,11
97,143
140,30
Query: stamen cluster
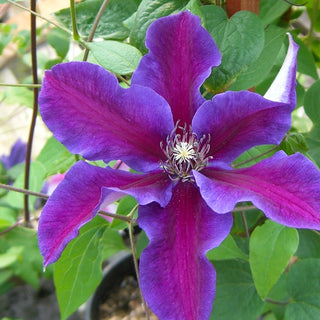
185,152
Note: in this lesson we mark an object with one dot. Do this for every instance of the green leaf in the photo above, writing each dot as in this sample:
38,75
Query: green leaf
300,121
305,60
252,217
236,297
18,95
312,103
6,36
60,42
111,23
270,10
255,155
78,271
115,56
194,7
148,11
294,142
10,256
259,69
278,293
7,217
240,41
5,275
112,243
142,243
55,157
303,284
126,204
228,249
37,174
313,141
271,247
309,244
29,265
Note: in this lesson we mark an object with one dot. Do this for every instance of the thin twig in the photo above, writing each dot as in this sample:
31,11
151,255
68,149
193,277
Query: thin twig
33,12
24,191
33,28
75,32
119,76
280,303
17,224
317,232
135,261
94,27
20,85
245,224
243,208
45,196
294,4
116,216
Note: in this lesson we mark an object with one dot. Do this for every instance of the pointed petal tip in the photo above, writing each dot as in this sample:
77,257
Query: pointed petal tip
180,58
282,88
285,188
88,112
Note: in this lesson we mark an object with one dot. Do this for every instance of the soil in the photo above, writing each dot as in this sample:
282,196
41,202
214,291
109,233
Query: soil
26,303
125,303
23,302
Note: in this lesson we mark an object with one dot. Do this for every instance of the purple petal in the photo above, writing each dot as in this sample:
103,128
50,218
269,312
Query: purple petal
285,188
86,109
181,56
17,155
282,88
237,121
177,280
80,195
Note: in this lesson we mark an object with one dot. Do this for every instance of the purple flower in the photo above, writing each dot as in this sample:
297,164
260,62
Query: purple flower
183,146
17,155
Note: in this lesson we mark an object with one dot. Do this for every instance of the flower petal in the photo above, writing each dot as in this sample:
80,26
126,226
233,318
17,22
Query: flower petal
285,188
17,155
83,191
86,109
282,88
237,121
177,280
181,56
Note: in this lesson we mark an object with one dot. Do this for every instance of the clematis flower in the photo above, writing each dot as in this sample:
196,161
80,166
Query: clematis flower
17,155
183,146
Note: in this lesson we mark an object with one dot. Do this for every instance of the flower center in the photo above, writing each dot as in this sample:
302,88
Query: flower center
184,152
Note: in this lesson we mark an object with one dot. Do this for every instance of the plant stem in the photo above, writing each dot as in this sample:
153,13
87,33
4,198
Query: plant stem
35,108
20,85
94,27
115,216
243,208
45,196
317,232
17,224
280,303
123,79
28,192
75,32
135,261
245,225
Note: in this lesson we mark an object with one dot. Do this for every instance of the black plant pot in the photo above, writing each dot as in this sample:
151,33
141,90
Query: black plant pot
120,266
